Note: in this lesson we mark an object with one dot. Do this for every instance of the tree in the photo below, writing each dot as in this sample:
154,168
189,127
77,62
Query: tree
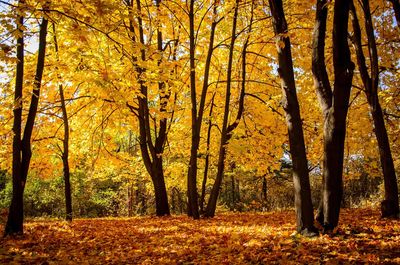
22,151
151,149
65,150
193,206
303,203
334,105
396,8
390,206
227,129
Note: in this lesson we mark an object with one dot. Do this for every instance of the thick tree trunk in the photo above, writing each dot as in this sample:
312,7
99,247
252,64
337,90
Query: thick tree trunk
303,203
162,206
390,206
334,105
335,125
22,147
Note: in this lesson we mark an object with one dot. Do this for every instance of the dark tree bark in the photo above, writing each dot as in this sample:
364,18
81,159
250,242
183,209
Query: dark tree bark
227,130
371,83
396,8
65,159
151,149
22,147
197,115
16,215
303,203
193,207
65,151
207,159
334,105
321,79
233,189
264,189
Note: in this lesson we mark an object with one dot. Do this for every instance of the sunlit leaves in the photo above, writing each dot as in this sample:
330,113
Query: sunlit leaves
229,238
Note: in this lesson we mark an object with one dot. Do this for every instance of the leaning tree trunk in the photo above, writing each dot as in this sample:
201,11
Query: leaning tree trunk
65,151
303,203
390,206
207,159
227,130
22,151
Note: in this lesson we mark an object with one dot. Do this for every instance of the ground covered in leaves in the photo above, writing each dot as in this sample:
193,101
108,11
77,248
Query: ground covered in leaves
235,238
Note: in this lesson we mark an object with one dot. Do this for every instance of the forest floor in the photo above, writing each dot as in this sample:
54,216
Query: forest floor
233,238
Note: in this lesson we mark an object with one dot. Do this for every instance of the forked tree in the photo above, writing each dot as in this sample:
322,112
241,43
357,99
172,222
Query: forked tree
334,104
22,150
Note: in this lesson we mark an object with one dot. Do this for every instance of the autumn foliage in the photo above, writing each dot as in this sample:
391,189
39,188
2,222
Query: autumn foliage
270,116
232,238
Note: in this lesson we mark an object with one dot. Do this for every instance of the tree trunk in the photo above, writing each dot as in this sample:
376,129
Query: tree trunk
264,189
212,202
197,115
334,105
151,150
335,120
162,206
193,207
65,152
207,159
233,188
396,8
303,203
227,130
321,79
130,200
67,184
390,206
22,147
16,213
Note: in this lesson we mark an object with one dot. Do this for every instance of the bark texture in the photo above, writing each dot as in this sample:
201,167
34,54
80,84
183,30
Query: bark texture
370,78
334,105
303,203
22,151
